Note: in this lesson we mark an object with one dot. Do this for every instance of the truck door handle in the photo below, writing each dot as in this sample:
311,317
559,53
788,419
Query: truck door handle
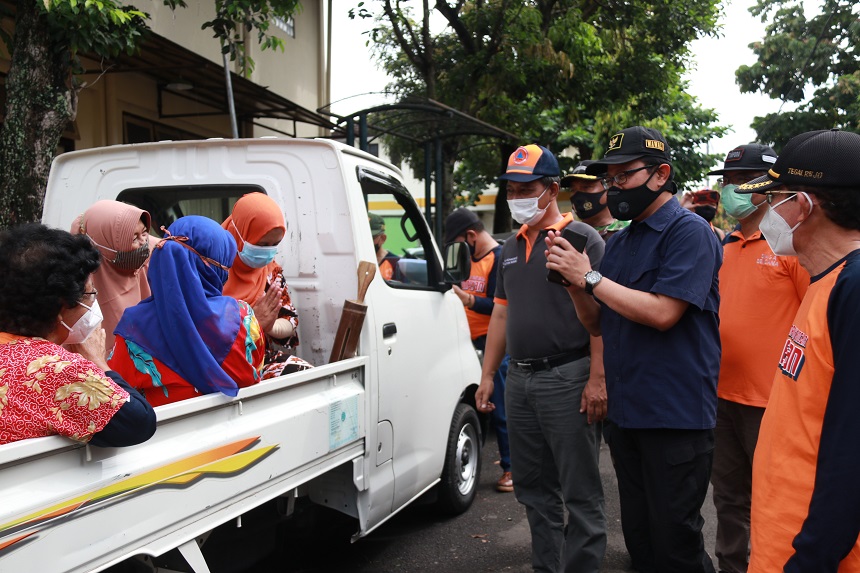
389,330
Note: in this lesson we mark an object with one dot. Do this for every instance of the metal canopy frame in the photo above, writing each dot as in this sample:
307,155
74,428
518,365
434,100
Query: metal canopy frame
441,122
166,62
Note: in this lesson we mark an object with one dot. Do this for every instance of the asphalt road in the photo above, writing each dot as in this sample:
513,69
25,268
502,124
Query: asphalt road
492,536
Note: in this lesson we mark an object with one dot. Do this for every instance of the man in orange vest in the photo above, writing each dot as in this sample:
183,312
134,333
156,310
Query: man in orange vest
476,294
746,370
805,497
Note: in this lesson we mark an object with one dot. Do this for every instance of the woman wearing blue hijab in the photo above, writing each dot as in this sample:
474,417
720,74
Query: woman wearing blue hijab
187,338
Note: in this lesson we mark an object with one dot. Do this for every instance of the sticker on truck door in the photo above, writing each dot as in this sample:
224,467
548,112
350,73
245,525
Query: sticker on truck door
343,422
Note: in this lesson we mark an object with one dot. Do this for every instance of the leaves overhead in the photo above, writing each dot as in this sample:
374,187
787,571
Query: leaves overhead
565,73
101,27
813,62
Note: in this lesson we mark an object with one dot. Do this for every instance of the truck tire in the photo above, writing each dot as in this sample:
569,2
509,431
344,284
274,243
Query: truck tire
462,470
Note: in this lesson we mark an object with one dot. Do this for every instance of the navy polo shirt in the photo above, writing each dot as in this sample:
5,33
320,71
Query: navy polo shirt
664,379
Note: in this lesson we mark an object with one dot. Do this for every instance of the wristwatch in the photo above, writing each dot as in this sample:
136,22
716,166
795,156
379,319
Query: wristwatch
591,280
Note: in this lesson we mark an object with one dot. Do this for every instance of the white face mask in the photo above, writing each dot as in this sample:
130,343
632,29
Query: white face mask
526,211
777,233
85,325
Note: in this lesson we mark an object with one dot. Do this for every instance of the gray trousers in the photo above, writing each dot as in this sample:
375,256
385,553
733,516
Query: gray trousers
554,461
735,437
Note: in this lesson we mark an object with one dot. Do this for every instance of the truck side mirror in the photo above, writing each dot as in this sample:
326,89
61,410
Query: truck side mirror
458,262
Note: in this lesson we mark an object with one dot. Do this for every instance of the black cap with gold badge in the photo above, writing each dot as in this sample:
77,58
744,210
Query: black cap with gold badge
630,144
823,158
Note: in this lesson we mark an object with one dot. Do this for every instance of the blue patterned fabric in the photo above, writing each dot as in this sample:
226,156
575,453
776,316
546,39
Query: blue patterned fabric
187,323
250,345
144,364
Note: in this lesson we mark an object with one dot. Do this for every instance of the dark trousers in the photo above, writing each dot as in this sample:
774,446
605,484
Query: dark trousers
662,482
736,435
554,457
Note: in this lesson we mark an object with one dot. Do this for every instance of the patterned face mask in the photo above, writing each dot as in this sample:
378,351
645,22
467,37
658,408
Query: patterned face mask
587,205
127,260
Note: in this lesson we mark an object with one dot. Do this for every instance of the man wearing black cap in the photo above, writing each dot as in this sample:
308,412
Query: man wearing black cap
552,399
586,194
805,496
759,296
477,294
659,301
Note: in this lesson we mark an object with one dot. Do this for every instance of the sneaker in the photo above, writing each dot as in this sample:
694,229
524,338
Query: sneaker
505,483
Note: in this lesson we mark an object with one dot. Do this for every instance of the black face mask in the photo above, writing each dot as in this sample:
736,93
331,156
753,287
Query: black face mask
627,204
706,212
587,205
472,249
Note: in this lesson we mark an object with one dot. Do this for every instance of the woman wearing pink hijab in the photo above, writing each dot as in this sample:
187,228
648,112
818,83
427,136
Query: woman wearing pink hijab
120,232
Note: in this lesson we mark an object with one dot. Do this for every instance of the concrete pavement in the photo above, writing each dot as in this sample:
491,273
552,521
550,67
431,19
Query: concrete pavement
493,536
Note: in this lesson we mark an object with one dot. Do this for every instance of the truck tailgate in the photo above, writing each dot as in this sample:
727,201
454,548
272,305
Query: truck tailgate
67,507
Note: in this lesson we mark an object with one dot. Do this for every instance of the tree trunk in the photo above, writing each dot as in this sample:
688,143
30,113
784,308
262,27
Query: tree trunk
37,113
449,158
502,216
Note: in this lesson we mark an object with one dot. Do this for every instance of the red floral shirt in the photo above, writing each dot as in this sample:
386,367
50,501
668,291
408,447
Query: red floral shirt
46,390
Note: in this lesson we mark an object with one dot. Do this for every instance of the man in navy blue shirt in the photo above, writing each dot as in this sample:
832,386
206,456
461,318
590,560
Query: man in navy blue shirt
658,315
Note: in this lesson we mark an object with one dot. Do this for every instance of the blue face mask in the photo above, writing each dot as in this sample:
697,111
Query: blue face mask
255,256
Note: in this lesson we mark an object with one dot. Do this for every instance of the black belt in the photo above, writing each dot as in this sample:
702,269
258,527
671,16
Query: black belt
538,364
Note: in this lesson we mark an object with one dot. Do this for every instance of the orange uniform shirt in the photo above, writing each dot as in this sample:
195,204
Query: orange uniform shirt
759,296
479,281
804,493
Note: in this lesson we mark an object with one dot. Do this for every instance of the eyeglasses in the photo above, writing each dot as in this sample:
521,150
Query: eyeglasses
621,178
94,293
769,195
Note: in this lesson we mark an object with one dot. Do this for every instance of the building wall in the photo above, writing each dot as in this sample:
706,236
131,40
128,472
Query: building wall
298,74
293,73
110,100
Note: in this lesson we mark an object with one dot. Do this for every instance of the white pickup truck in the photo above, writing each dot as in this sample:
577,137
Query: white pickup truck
365,436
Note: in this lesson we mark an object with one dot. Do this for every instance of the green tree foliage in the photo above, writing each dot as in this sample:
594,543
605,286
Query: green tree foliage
42,91
564,73
812,62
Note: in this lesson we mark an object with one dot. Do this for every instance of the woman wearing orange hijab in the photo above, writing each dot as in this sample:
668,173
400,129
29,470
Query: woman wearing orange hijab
120,232
258,227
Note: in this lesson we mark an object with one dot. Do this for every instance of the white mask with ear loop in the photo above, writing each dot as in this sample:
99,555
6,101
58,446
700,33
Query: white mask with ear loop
85,325
526,211
777,233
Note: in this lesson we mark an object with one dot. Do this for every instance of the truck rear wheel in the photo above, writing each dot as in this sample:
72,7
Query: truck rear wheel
462,470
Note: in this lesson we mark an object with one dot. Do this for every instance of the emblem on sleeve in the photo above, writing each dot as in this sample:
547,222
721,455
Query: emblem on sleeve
792,358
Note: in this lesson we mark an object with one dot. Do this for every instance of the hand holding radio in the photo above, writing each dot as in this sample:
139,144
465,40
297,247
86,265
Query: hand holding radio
554,253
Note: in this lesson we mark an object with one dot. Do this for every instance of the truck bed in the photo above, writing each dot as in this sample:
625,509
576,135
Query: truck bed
69,507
